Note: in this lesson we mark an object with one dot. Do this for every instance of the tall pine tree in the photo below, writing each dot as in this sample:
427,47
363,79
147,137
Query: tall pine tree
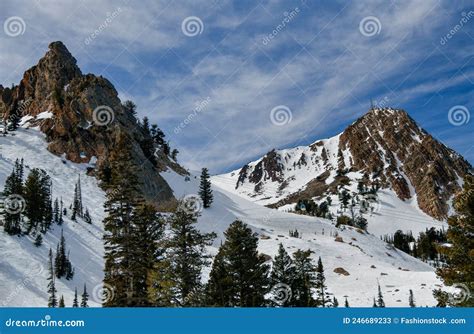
322,299
239,275
84,297
283,272
305,279
52,300
205,191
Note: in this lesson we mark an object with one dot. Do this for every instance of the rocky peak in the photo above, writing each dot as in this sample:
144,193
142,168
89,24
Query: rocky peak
388,145
385,147
86,114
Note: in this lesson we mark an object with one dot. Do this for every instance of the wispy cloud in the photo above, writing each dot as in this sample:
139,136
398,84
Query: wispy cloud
318,64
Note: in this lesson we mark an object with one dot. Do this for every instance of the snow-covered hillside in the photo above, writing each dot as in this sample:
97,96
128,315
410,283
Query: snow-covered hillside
300,165
24,267
367,260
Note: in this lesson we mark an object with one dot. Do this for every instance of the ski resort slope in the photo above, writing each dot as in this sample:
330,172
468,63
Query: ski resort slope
366,259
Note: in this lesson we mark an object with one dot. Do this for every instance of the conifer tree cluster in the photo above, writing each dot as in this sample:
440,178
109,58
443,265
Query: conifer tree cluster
459,268
62,264
33,196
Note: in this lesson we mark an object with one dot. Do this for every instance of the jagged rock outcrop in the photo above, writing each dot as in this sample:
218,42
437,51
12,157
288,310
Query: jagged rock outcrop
384,147
86,116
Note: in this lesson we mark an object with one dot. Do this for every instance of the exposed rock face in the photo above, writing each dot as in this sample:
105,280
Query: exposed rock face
57,85
385,146
390,144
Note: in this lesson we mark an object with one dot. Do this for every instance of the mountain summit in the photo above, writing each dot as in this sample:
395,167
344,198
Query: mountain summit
82,116
385,147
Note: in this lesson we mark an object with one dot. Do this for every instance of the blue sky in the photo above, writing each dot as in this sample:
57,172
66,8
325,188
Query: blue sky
212,90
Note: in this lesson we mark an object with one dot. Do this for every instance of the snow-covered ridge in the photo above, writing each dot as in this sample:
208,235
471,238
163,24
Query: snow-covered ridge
365,257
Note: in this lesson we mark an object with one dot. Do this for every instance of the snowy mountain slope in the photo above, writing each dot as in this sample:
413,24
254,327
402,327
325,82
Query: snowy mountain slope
390,212
365,257
385,149
24,267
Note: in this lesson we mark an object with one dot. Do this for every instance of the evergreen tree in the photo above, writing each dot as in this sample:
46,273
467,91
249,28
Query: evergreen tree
75,302
346,303
459,256
322,298
87,217
335,302
84,297
37,195
132,230
239,275
205,191
38,240
185,252
305,279
52,300
77,209
61,301
56,211
283,272
380,301
62,264
411,299
130,107
14,187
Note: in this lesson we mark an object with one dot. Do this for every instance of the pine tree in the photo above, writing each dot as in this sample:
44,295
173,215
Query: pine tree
380,301
283,272
77,209
52,300
38,203
205,191
187,257
75,303
239,275
56,211
87,217
346,303
322,298
411,299
14,187
459,268
84,297
335,302
61,301
62,264
305,279
38,240
132,230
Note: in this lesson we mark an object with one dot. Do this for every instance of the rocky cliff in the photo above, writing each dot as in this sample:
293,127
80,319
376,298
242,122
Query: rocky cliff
384,147
86,114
